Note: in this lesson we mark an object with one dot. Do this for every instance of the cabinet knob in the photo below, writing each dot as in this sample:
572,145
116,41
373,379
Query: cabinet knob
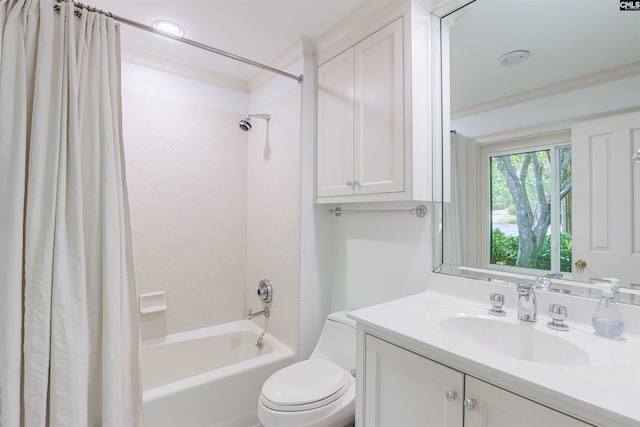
469,404
451,395
355,182
581,263
349,183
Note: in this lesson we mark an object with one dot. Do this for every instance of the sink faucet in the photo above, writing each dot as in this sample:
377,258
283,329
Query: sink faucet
543,283
527,307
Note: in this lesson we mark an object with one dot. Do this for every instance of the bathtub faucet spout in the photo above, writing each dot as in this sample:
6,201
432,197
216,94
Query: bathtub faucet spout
251,314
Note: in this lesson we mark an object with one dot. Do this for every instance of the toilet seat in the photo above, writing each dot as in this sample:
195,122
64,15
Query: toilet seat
305,385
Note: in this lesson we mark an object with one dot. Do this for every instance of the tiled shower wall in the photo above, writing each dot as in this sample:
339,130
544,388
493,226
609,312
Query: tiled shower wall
273,218
187,180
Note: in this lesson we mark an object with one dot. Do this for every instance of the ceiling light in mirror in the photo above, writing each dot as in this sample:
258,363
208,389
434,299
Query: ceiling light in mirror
516,57
168,27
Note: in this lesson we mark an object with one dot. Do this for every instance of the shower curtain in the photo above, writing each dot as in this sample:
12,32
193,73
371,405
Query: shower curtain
455,209
69,335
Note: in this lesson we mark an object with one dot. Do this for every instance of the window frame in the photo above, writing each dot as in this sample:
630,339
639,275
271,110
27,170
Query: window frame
546,141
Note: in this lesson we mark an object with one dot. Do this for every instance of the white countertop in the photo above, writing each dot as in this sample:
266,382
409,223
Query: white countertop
604,390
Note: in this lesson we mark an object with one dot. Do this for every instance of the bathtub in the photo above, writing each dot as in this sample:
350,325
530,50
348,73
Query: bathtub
208,377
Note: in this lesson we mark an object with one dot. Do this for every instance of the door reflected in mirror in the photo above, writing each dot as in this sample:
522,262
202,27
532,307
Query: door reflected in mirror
538,175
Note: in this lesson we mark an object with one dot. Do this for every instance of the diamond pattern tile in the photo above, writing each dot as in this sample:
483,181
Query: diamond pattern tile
187,178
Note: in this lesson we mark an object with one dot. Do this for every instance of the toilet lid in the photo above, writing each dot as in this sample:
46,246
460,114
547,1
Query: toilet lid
305,385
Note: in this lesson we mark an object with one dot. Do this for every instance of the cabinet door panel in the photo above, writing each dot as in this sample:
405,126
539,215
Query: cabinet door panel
496,407
335,126
379,112
405,389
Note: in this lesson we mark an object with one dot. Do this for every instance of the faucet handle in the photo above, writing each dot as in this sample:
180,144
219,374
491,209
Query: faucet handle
558,314
497,300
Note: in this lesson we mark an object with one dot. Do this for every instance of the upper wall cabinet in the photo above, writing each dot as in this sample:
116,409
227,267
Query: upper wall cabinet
370,145
360,118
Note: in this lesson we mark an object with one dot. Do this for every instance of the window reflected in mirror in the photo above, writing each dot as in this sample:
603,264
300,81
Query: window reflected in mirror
527,190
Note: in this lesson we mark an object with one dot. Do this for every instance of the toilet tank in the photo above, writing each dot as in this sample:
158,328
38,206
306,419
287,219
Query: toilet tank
337,341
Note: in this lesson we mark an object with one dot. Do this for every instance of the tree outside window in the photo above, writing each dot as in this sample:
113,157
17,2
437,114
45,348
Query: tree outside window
527,190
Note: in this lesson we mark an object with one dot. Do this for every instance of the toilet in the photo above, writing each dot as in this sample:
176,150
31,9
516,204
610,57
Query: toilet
320,391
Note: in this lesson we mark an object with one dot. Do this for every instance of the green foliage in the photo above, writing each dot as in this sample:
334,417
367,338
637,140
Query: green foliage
500,195
511,210
504,251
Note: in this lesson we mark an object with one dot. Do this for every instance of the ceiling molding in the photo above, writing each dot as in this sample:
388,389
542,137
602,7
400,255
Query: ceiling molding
546,128
554,89
159,63
283,61
441,8
359,24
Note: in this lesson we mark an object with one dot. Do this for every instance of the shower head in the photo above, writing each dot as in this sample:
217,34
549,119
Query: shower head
245,124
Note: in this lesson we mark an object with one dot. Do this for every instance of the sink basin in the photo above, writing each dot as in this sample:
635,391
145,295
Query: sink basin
516,340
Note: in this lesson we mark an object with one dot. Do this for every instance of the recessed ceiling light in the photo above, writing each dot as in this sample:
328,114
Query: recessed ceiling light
168,27
514,58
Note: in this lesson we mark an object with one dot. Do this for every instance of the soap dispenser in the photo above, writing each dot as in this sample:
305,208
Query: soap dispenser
606,319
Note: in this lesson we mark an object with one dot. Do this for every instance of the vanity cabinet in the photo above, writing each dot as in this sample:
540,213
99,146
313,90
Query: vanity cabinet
368,147
495,407
402,388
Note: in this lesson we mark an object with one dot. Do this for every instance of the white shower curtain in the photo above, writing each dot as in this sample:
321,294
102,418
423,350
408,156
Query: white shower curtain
69,336
455,209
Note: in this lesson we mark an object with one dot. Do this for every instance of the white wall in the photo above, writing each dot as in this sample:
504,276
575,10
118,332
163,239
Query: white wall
377,257
186,165
315,262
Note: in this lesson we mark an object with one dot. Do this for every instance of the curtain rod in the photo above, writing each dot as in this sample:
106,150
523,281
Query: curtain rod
190,42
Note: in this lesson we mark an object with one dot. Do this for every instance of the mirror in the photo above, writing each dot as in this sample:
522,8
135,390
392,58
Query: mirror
541,116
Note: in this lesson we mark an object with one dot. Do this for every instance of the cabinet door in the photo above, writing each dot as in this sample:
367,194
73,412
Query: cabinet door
379,112
335,126
404,389
496,407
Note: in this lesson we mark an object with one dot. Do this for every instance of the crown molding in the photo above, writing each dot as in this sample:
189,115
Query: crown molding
283,61
546,128
553,89
441,8
357,25
159,63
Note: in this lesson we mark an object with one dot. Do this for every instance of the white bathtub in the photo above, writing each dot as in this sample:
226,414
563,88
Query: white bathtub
208,377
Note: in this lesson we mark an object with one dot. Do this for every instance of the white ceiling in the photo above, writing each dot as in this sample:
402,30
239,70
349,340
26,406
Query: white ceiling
567,38
255,29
